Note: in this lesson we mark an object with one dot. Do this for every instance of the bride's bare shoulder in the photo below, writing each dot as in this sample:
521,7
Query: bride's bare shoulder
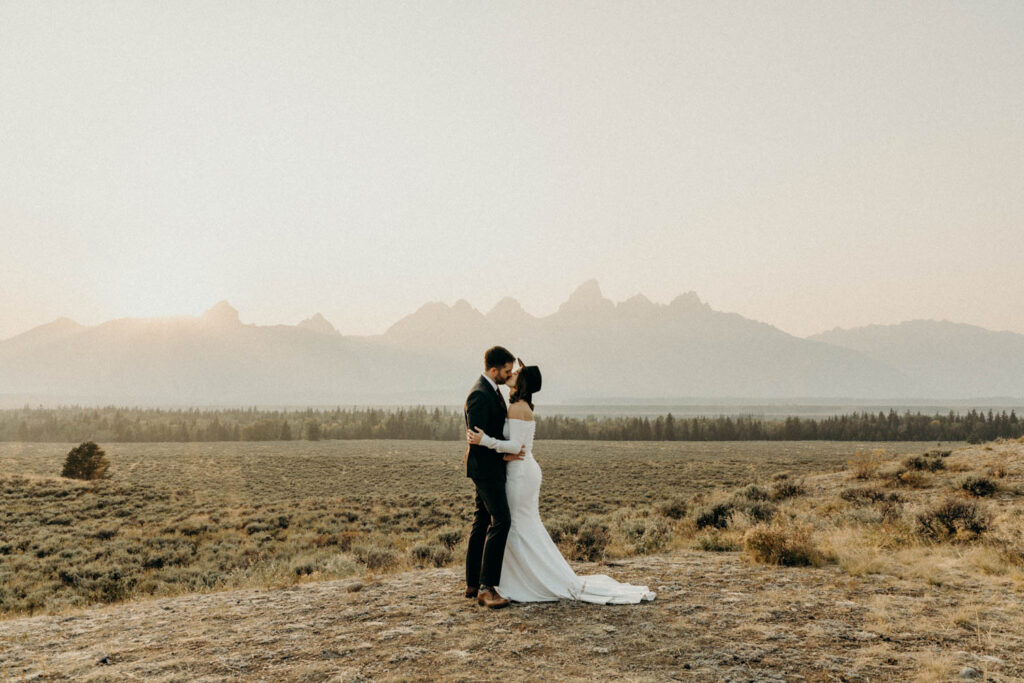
520,410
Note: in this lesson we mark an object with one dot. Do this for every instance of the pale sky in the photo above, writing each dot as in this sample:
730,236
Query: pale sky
808,164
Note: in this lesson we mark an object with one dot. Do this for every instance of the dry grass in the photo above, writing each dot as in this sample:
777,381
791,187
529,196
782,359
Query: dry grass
884,600
179,518
865,465
784,544
935,667
890,598
934,518
716,617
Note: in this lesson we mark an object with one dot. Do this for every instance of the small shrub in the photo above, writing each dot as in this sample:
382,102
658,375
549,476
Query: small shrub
889,504
324,540
865,465
432,553
193,526
924,463
375,557
891,511
449,537
346,539
591,540
759,512
912,479
656,535
341,564
870,495
752,492
785,545
256,527
952,519
786,488
715,542
86,461
262,524
860,516
560,528
716,516
631,529
674,508
303,566
997,471
977,486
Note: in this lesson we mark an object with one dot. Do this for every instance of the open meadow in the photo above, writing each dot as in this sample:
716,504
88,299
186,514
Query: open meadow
342,561
180,517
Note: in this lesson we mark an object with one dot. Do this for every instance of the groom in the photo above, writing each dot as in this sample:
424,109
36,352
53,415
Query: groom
485,408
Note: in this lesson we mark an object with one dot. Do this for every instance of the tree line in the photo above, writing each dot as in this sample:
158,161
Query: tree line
118,424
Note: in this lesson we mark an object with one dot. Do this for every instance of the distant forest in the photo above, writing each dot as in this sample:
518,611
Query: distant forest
112,424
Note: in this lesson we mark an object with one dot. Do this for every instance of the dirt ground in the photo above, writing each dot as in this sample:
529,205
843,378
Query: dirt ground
717,617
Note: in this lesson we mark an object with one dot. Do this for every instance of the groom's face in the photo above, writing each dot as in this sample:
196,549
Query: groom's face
503,373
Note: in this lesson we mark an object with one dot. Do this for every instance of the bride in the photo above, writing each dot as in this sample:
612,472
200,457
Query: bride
533,569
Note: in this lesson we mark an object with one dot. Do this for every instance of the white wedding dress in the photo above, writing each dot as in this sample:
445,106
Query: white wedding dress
533,569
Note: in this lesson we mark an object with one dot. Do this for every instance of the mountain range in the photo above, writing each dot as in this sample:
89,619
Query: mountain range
590,349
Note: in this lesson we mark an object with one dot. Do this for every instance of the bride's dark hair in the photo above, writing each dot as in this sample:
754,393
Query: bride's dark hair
527,384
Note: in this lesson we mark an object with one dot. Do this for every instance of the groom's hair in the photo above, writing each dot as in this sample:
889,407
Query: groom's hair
497,356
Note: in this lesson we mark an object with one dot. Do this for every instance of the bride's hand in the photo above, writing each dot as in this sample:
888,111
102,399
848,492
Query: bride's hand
474,437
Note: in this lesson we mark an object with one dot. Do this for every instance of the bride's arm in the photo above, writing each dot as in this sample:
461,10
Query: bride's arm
479,437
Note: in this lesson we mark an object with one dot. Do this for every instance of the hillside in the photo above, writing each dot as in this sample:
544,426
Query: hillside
716,617
940,357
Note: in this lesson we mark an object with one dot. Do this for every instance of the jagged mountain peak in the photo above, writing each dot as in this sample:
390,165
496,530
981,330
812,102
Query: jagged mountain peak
463,306
222,313
689,301
435,317
318,323
587,297
507,307
589,290
637,303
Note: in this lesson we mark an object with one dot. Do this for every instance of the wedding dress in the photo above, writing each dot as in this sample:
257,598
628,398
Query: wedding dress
533,569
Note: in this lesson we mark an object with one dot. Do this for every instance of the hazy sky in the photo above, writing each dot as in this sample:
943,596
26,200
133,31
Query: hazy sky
808,164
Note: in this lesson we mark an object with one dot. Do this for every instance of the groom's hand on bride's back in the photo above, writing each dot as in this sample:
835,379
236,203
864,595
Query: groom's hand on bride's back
508,457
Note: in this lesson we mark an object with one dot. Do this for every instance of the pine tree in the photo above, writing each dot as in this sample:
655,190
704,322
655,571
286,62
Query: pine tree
86,461
312,429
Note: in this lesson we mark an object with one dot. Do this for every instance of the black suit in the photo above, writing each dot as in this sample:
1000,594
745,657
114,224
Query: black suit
485,408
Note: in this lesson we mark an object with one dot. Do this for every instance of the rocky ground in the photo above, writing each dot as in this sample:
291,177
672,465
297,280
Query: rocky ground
717,617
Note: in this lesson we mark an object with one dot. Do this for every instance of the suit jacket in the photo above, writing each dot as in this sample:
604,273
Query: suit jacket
485,409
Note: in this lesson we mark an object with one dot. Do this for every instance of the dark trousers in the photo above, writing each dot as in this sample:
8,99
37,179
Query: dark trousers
491,522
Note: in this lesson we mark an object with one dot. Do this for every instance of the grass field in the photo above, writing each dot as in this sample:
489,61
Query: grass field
177,518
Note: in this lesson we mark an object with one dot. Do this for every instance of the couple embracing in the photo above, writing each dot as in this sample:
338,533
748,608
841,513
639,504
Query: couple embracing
510,556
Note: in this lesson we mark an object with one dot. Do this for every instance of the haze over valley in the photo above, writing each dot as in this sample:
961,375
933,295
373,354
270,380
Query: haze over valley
592,351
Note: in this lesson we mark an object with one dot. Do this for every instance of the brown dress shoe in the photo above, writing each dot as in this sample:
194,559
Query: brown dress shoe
489,598
471,591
